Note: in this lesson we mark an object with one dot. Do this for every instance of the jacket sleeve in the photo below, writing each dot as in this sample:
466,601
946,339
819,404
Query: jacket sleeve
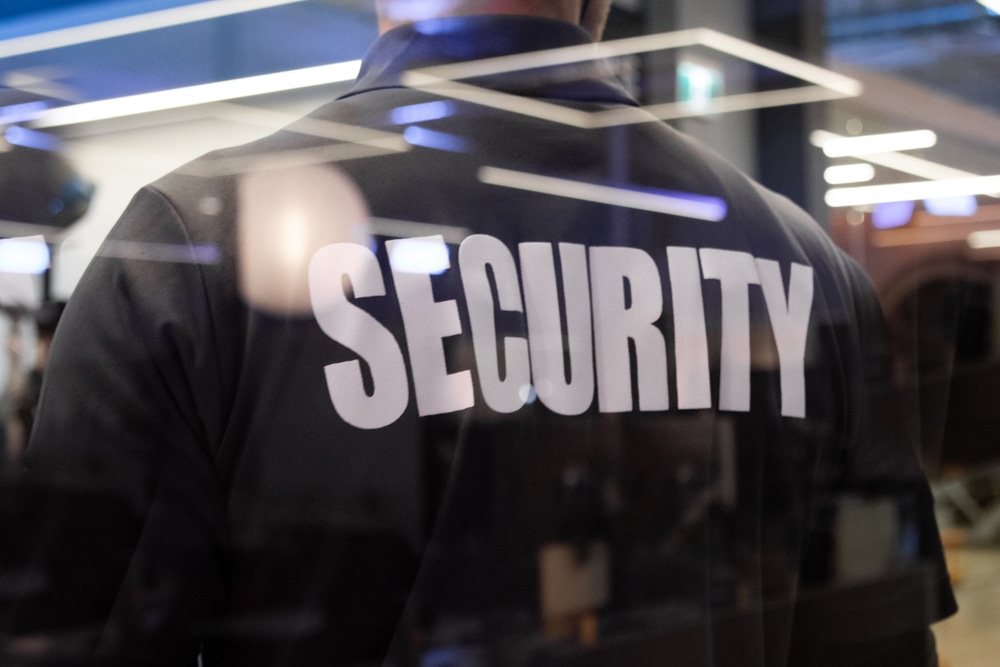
128,523
887,581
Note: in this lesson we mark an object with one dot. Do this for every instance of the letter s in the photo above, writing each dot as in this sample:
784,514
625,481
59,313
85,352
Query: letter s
354,328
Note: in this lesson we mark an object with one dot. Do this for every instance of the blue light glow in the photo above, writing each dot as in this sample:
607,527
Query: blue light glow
27,255
22,136
18,113
420,256
959,207
892,214
420,113
702,207
442,141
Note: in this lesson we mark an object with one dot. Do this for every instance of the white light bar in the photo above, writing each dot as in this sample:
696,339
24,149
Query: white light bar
880,194
446,80
679,204
984,239
879,143
129,25
849,173
908,164
992,5
218,91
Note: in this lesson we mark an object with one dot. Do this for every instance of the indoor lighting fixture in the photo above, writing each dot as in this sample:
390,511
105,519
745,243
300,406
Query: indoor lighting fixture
129,25
879,143
992,5
877,194
176,98
849,173
447,80
680,204
984,239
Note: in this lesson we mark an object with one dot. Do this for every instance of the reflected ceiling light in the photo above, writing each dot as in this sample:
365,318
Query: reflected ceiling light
129,25
424,255
22,136
985,239
18,113
218,91
681,204
446,80
849,173
908,164
877,194
992,5
879,143
965,206
24,255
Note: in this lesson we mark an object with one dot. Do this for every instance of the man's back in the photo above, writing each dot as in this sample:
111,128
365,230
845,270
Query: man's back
510,392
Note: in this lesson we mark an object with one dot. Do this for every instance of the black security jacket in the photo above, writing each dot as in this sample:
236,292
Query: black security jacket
428,380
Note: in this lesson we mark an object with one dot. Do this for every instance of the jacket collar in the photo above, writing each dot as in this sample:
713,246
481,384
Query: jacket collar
467,38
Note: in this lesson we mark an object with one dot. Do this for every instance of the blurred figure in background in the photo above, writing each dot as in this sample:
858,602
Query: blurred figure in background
453,373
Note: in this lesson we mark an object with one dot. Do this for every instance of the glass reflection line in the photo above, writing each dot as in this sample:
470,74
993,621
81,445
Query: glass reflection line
421,113
442,141
130,25
907,164
444,79
218,91
698,207
28,255
892,142
160,252
876,194
841,174
22,136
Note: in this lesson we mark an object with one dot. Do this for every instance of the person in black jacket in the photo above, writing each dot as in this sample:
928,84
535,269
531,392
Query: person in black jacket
430,377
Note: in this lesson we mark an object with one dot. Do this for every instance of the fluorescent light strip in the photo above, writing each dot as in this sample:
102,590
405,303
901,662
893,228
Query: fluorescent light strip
992,5
525,106
406,229
879,194
698,207
326,129
906,164
219,91
879,143
443,79
130,25
984,239
290,159
663,41
849,173
718,105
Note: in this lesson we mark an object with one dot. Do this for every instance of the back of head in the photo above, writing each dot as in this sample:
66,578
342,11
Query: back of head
590,14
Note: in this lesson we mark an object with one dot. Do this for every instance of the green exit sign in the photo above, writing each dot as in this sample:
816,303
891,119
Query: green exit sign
697,84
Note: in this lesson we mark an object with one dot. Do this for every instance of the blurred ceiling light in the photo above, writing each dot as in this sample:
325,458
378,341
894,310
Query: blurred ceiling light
992,5
849,173
202,94
18,113
24,255
422,255
952,207
442,141
680,204
879,143
877,194
446,79
421,113
984,239
908,164
22,136
130,25
889,215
